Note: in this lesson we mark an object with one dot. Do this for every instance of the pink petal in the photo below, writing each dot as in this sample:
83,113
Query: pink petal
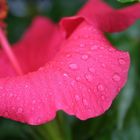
76,81
109,19
81,78
37,41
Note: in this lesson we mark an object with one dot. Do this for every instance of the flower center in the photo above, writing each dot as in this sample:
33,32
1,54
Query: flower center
10,54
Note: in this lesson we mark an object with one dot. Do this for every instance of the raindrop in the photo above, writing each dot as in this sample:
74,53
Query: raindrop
122,61
82,45
100,87
102,48
89,77
68,55
34,101
116,77
103,65
6,114
92,69
78,78
85,102
10,95
94,47
77,97
20,110
84,57
65,75
103,97
73,66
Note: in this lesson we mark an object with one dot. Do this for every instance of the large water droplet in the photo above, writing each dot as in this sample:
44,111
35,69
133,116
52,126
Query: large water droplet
65,75
100,87
103,97
122,61
84,57
82,45
77,97
85,102
94,47
20,110
91,69
73,66
34,101
89,77
116,77
78,78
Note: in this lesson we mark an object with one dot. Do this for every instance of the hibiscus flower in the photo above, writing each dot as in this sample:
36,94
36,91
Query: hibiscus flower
70,66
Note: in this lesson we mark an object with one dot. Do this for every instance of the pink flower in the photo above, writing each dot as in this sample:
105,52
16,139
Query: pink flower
71,67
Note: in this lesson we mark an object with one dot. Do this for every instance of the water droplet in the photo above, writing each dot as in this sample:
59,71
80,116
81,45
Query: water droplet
85,102
116,77
84,57
73,66
10,95
41,68
26,86
102,48
34,101
82,45
89,77
111,50
100,87
122,61
68,55
103,97
6,114
65,75
78,78
77,97
73,83
20,110
103,65
92,69
94,47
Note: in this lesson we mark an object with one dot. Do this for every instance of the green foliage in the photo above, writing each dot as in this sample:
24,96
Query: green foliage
128,0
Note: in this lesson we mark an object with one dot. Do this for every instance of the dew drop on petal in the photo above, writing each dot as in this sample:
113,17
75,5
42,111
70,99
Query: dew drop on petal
65,75
94,47
82,45
34,101
103,97
122,61
100,87
92,70
73,66
85,102
77,98
20,110
116,77
78,78
89,77
84,57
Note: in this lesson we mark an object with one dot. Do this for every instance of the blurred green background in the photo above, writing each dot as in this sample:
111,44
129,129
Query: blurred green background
120,122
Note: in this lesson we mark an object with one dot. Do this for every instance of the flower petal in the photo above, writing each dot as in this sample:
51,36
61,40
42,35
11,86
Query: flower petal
37,41
109,19
76,81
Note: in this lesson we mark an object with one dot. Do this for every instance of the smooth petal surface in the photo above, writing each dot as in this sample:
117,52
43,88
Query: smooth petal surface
37,41
81,73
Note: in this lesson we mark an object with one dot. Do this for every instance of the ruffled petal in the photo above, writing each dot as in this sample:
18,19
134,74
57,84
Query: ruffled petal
82,75
76,81
109,19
